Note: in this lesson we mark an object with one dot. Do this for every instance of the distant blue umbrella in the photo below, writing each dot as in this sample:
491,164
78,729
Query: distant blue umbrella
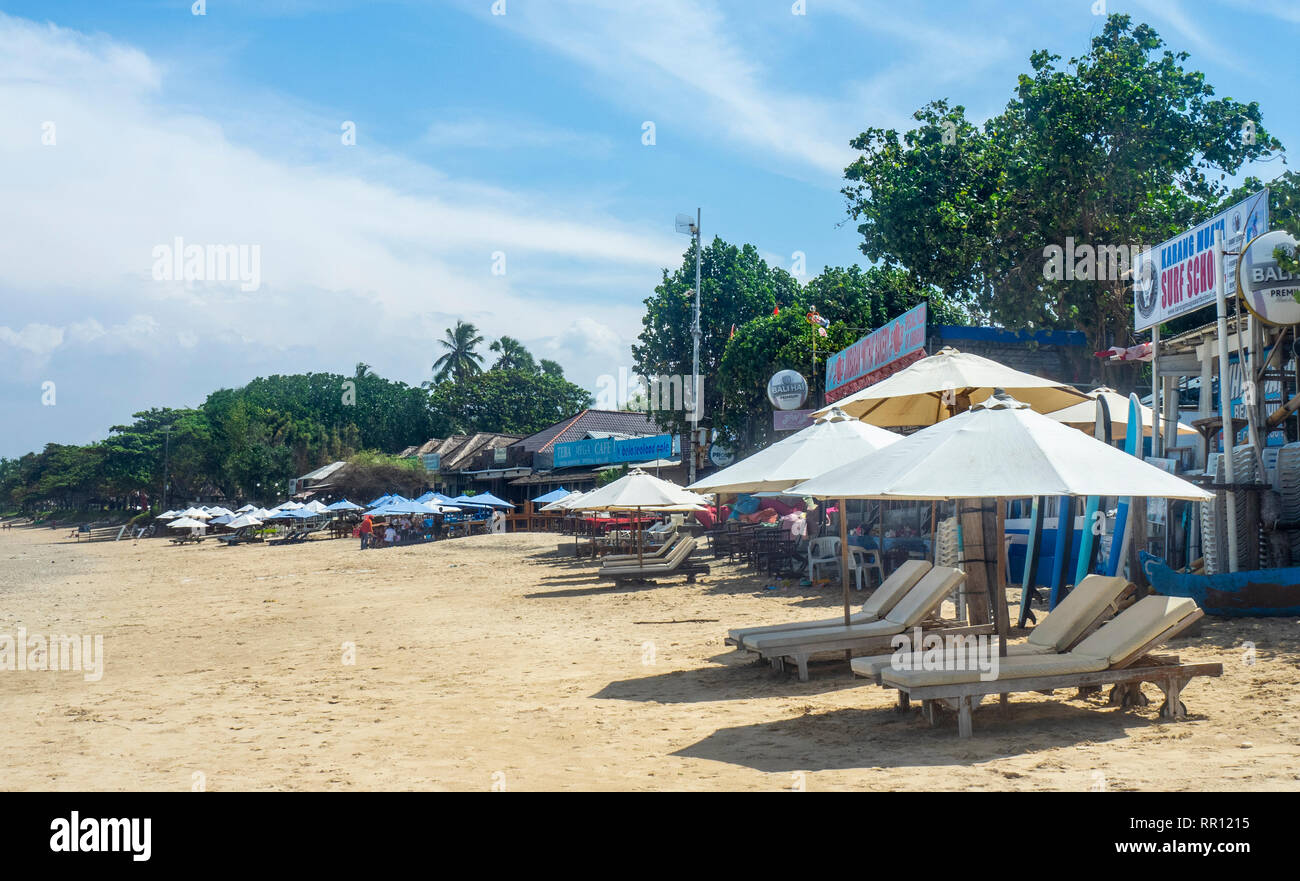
552,496
344,505
483,500
382,500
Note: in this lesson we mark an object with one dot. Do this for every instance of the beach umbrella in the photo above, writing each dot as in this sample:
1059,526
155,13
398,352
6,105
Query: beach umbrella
222,520
553,496
483,500
289,506
1001,448
561,504
834,439
195,513
318,507
167,515
1083,416
219,511
344,505
186,523
246,509
926,391
635,491
375,503
244,520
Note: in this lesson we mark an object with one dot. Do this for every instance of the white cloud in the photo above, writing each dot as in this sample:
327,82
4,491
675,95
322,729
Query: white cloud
38,340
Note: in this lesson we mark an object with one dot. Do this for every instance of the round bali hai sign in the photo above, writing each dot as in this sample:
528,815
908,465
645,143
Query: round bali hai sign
1270,292
787,390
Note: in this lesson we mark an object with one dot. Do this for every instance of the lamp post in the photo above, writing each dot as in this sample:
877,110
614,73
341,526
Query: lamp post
685,226
167,437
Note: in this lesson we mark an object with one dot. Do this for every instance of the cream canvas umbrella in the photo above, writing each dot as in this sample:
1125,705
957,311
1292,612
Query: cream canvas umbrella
925,392
564,503
834,439
636,491
244,520
196,514
1083,416
998,449
187,523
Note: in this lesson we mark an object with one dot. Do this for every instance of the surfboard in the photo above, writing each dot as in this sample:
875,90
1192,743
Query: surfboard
1064,540
1089,538
1123,529
1028,586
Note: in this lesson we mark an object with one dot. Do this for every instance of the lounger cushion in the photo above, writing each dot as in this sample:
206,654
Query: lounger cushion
1019,667
667,564
767,642
893,589
1134,627
903,579
926,596
1073,614
873,666
920,601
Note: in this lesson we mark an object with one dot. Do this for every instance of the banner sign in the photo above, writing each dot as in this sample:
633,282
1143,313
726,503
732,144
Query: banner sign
791,420
872,378
608,451
432,461
902,336
1178,276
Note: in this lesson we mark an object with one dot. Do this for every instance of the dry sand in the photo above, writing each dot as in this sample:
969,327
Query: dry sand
493,662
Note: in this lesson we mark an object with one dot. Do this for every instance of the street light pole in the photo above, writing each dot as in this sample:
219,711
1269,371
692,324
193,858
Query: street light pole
167,437
695,359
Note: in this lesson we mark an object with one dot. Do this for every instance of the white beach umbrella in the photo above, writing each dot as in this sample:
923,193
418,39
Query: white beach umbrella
834,439
244,520
219,511
564,503
633,490
168,515
186,523
999,449
637,491
245,509
222,520
922,393
196,513
316,506
1083,416
289,506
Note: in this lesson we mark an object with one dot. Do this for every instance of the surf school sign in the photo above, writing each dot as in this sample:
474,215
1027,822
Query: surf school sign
897,339
1178,276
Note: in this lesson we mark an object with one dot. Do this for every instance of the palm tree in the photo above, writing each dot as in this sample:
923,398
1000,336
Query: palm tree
512,355
363,371
460,360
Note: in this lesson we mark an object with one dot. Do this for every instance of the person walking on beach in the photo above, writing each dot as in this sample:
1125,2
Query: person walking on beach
367,529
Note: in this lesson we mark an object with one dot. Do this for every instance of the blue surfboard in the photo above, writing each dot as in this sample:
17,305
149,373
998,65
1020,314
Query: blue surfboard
1028,586
1132,446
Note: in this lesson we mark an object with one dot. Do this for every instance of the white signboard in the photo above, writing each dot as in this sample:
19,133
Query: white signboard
1267,289
1179,275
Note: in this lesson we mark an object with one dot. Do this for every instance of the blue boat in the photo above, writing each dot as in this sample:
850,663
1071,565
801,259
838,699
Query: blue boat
1260,593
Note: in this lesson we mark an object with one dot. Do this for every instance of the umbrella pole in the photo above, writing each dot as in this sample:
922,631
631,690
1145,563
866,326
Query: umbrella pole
1004,620
844,556
934,539
640,559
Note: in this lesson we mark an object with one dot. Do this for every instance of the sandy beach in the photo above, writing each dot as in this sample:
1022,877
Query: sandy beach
492,662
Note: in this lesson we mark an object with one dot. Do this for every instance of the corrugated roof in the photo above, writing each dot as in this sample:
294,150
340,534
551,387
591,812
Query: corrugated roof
598,423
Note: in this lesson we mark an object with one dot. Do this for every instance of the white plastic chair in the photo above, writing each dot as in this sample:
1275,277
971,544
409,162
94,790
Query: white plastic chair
826,552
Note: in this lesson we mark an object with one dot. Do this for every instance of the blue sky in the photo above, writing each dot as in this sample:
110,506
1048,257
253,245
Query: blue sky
476,134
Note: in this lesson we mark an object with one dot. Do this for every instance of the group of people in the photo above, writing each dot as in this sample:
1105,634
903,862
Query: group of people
399,530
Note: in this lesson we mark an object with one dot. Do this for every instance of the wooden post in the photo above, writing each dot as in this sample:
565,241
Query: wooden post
844,555
1000,600
970,513
1137,516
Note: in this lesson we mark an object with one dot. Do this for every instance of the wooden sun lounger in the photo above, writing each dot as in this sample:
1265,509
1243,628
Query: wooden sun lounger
916,609
882,599
1084,609
659,553
677,562
1117,654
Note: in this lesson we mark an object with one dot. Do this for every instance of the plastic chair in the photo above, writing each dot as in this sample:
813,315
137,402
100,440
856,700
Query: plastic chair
826,552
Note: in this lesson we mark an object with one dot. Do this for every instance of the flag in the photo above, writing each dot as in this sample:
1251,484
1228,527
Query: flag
776,310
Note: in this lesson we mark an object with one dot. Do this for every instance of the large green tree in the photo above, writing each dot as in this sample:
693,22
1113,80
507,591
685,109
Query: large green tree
507,401
1123,146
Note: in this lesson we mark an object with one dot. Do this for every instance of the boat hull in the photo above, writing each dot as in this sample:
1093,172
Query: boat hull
1261,593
